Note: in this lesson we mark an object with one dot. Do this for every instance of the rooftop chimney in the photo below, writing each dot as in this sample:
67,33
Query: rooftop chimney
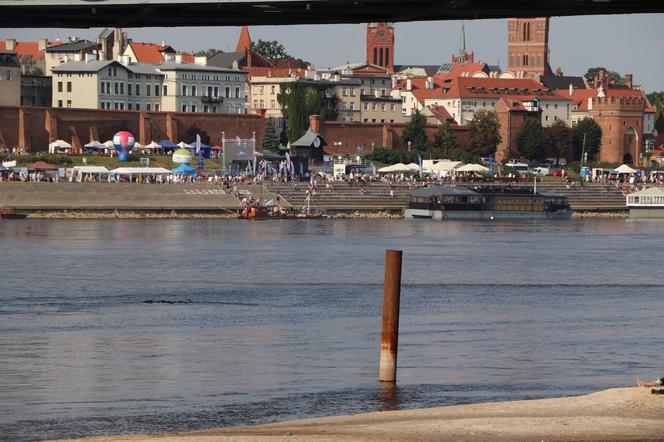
409,84
200,60
178,58
10,44
571,89
429,83
314,125
628,81
42,43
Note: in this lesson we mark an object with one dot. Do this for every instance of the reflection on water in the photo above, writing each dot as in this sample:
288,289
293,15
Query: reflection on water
267,321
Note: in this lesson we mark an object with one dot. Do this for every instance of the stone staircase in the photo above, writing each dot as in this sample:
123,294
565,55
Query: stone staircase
345,197
592,197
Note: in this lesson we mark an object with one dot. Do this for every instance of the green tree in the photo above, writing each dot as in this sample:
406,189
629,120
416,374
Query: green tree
532,141
209,53
270,49
299,100
588,130
561,140
415,132
592,72
446,137
659,121
270,136
484,133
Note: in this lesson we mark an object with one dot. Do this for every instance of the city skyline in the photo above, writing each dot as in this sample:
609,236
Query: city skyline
628,50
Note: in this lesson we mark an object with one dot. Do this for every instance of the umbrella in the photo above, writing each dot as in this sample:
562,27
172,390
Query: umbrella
472,168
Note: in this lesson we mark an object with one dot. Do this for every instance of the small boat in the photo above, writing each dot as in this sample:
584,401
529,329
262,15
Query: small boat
9,212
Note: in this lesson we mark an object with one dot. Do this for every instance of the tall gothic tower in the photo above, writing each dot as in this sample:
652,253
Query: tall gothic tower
528,45
380,45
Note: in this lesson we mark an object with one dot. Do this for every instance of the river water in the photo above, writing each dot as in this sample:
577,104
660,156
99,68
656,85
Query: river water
275,320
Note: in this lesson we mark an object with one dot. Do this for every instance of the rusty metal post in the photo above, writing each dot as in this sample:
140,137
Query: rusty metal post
390,334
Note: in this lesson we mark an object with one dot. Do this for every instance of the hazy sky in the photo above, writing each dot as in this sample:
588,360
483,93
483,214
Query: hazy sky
624,43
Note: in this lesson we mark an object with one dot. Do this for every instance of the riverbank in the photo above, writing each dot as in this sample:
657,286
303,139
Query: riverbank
618,414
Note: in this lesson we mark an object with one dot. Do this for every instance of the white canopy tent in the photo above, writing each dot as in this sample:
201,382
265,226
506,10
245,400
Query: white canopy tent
443,168
153,145
183,145
58,145
78,172
625,169
109,144
94,144
472,168
140,171
138,145
413,167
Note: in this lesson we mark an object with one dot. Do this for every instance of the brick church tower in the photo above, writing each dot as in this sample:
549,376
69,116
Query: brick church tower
528,45
380,45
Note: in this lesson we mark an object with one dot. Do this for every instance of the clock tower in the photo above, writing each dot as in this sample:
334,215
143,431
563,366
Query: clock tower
380,45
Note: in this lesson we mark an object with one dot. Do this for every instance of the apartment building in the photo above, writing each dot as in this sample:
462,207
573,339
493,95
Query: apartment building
10,79
72,50
170,86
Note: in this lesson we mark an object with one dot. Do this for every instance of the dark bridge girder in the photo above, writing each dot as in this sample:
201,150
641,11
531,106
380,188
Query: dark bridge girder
109,13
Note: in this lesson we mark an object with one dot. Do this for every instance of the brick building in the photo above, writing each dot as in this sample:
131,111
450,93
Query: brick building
380,45
528,45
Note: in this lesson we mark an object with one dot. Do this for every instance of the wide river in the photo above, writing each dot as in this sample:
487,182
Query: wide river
275,320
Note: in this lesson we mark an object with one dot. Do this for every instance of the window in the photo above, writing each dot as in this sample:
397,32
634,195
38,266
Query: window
193,92
129,105
272,89
216,91
366,106
115,72
262,103
156,90
237,92
214,109
115,106
59,103
184,91
59,85
156,107
121,106
228,91
344,92
255,104
110,72
209,91
373,107
392,107
68,104
121,88
193,108
206,109
271,104
352,92
129,89
184,108
138,89
148,107
148,90
138,106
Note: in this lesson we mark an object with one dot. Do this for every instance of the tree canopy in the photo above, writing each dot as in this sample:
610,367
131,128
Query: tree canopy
484,133
270,136
269,49
591,72
561,140
446,138
415,133
532,140
298,101
593,138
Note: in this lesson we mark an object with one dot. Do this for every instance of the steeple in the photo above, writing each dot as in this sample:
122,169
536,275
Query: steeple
244,42
462,48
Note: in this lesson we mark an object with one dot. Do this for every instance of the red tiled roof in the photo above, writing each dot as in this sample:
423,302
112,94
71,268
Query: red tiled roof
580,96
459,69
28,48
187,58
149,52
441,113
471,87
273,72
244,42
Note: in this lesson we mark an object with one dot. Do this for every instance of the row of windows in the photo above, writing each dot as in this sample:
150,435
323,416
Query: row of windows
9,75
229,108
207,77
212,91
525,60
260,90
60,88
383,107
260,104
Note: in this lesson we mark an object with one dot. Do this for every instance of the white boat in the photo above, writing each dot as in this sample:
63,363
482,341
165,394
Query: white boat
647,203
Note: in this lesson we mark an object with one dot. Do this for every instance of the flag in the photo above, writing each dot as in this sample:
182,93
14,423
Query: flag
419,161
199,151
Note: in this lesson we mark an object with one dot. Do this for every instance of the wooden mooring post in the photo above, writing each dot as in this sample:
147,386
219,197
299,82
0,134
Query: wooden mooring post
390,333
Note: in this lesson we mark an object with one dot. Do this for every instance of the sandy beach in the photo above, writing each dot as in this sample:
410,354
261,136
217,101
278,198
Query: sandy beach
618,414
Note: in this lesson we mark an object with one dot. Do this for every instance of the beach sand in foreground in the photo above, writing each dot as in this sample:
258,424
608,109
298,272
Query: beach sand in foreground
618,414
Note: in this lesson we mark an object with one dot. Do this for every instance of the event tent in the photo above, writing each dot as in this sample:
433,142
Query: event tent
184,169
42,165
472,168
58,145
153,145
625,169
399,167
183,145
94,144
140,171
109,144
168,145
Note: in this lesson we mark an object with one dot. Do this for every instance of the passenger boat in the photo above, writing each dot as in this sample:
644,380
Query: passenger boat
8,212
486,202
647,203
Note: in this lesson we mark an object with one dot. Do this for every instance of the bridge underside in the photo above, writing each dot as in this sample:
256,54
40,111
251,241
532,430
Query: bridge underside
103,13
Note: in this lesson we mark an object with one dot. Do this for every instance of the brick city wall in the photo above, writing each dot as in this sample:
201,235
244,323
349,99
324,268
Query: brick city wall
35,127
344,138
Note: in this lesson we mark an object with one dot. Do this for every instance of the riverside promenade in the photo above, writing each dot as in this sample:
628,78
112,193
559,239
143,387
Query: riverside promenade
376,197
618,414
